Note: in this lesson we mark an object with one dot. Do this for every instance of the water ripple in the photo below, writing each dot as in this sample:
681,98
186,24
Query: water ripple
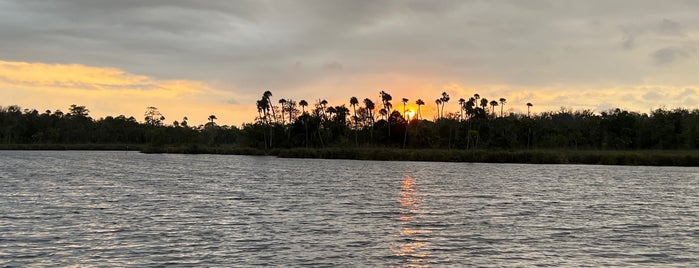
116,209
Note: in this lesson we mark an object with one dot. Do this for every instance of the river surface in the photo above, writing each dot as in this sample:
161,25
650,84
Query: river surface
118,209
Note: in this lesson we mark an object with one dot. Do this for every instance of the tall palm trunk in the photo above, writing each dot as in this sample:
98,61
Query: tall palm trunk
405,134
354,109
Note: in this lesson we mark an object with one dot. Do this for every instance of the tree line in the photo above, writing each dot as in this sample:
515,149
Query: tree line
29,126
476,124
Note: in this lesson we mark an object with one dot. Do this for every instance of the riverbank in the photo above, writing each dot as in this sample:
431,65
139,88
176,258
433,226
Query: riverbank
640,158
72,147
593,157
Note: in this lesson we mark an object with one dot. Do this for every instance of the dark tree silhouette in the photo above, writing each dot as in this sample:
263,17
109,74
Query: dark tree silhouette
291,109
502,105
267,96
305,116
153,117
370,106
419,103
445,98
386,100
493,104
78,111
565,129
405,133
303,104
484,103
263,110
462,106
354,102
282,102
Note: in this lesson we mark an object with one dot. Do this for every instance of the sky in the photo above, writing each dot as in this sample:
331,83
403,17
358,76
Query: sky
198,58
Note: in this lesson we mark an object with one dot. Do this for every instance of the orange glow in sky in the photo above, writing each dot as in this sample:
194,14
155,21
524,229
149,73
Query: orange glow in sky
109,92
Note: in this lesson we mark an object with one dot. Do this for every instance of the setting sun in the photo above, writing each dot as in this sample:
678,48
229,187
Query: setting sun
411,114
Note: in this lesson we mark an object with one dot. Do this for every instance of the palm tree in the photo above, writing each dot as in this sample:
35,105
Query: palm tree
438,101
445,98
405,134
476,97
383,112
323,104
291,107
282,102
386,99
469,107
212,118
493,103
262,109
303,104
369,106
461,108
502,105
321,108
267,96
331,111
419,103
529,105
484,103
404,100
353,102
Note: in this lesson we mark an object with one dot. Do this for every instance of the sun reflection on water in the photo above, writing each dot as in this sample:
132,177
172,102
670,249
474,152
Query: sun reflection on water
412,245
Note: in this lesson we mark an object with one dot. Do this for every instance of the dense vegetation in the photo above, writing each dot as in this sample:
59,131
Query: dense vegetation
478,124
27,126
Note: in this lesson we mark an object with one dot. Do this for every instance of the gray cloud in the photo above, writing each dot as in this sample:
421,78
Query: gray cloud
669,55
670,28
289,45
628,41
333,66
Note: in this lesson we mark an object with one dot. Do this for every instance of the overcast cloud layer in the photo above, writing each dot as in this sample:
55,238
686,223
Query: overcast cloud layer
580,54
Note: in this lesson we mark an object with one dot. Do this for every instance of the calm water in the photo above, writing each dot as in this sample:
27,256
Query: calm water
113,209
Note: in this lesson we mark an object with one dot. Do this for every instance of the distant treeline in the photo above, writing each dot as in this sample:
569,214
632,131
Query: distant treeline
475,127
28,126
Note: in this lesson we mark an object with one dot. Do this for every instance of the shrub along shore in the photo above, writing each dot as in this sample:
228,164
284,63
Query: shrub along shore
593,157
640,158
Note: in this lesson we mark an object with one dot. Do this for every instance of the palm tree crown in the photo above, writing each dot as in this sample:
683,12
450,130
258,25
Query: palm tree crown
493,104
502,105
303,104
419,103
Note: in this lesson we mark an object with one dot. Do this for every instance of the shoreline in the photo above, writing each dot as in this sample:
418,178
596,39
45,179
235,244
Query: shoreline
537,156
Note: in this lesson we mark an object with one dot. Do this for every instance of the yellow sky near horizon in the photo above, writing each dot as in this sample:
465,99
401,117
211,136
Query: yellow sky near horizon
109,91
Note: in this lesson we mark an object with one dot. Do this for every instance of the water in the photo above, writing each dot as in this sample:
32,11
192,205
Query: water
116,209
